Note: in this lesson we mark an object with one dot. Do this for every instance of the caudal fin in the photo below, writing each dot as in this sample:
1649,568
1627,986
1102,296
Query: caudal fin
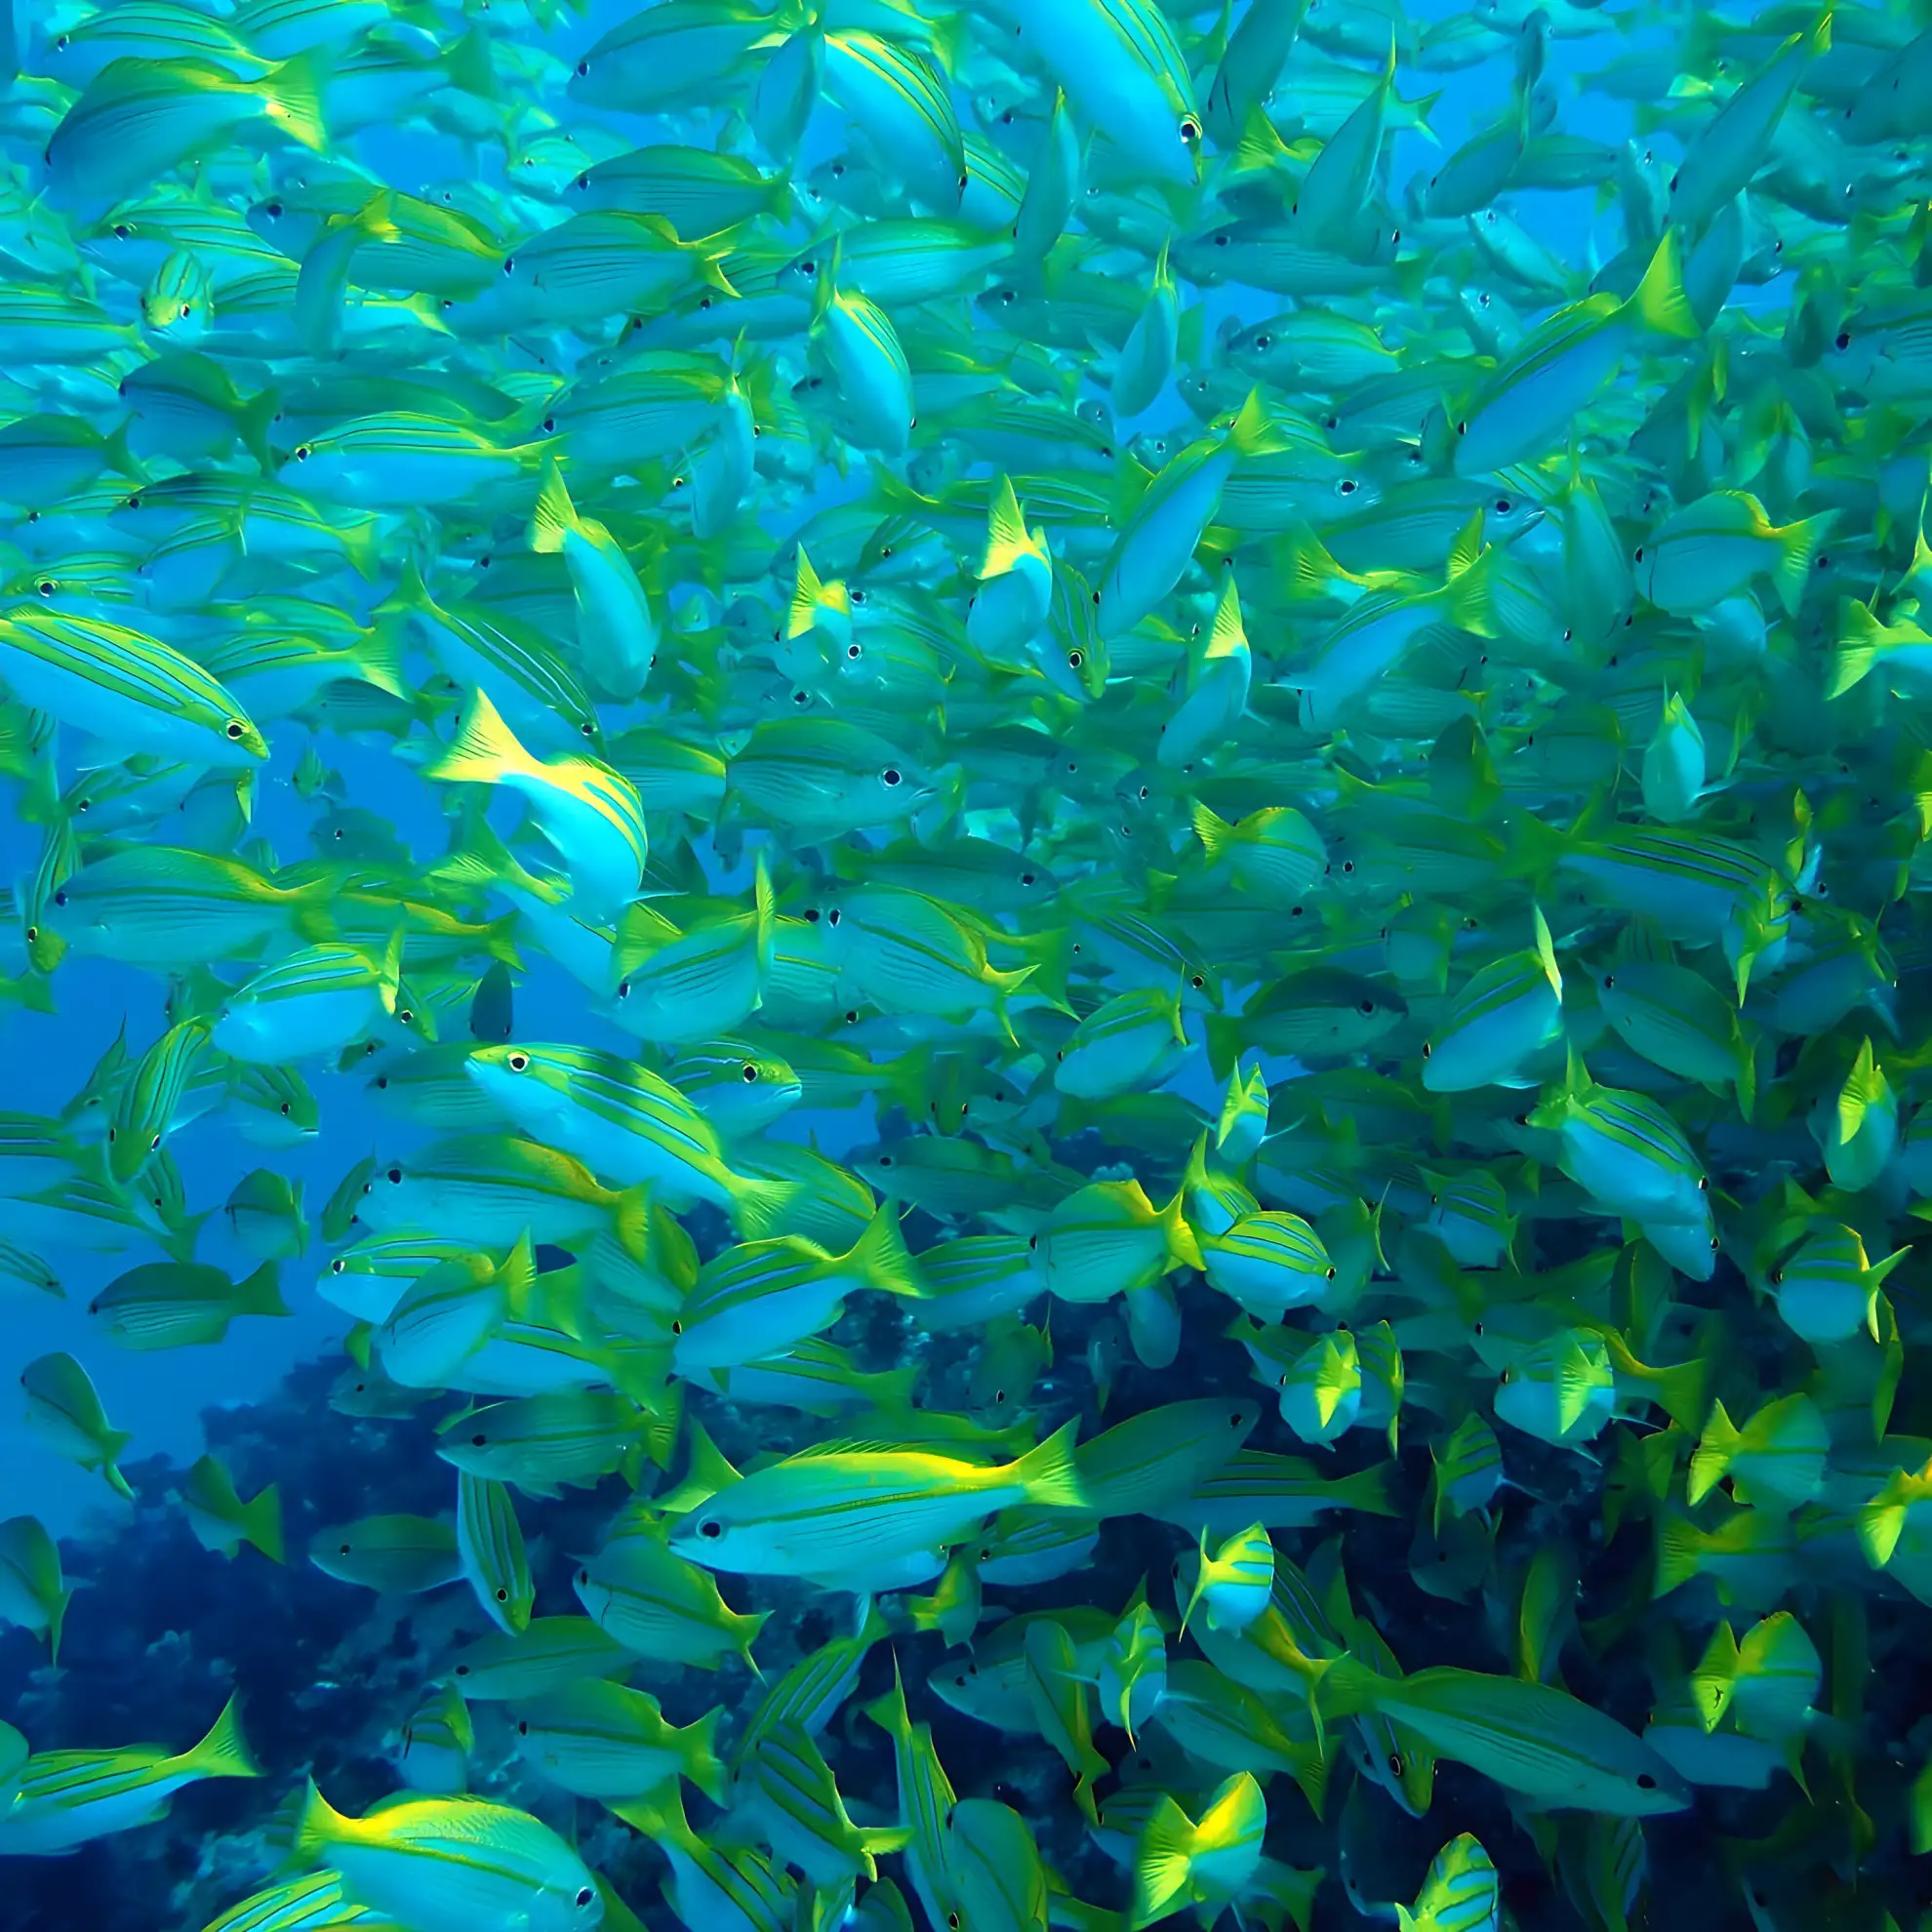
1661,301
291,97
261,1293
1799,544
698,1748
1710,1459
554,517
223,1752
482,752
1049,1475
880,1257
1859,637
1163,1863
262,1522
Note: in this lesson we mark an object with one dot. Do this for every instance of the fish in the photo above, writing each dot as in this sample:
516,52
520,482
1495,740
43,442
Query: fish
824,1514
443,1860
64,1410
602,1740
952,763
1534,1739
34,1595
222,1520
66,1798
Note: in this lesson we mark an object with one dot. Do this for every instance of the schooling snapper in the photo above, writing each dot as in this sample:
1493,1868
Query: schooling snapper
918,734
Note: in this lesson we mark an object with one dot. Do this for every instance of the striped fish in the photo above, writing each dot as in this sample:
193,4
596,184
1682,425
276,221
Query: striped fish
126,687
149,1102
925,1799
1531,1739
67,1797
1269,1260
490,1543
1237,1579
549,1653
1461,1893
650,1600
717,1891
786,1785
816,1686
619,1119
312,1903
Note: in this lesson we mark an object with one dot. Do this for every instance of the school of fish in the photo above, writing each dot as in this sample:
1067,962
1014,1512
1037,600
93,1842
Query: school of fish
1225,866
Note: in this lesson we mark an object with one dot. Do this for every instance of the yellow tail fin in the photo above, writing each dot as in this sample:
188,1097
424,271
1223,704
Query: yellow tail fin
484,751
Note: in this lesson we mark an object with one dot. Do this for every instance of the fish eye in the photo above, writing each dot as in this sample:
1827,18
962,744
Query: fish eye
1502,507
61,897
1196,980
711,1527
33,933
834,916
885,1160
122,231
185,311
235,728
1346,486
345,1551
1368,1006
749,1073
518,1062
1190,129
503,1596
1396,1766
302,453
891,776
1645,1781
1075,659
584,1894
336,1266
46,587
1640,559
854,652
395,1177
1845,339
583,68
1427,1051
509,264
